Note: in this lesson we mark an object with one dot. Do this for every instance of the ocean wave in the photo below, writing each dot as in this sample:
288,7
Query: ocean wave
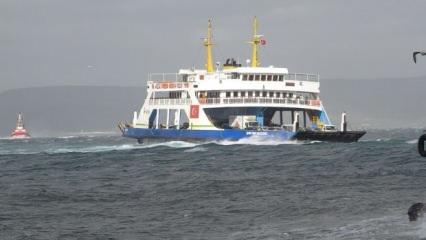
91,149
196,149
383,139
258,140
170,144
100,148
376,140
387,227
414,141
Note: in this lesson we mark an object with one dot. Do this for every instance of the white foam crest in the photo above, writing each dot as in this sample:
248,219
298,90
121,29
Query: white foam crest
383,139
94,149
414,141
171,144
175,144
196,149
101,148
259,140
68,137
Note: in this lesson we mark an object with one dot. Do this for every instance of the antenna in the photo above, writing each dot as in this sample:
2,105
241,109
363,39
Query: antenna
256,40
217,66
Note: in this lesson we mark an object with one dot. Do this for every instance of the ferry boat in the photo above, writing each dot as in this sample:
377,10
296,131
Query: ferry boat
19,132
232,101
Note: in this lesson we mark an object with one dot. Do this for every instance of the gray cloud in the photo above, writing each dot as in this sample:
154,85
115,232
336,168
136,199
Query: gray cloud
51,42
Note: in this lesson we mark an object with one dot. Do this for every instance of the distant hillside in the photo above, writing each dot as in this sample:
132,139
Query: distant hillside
58,110
69,109
377,103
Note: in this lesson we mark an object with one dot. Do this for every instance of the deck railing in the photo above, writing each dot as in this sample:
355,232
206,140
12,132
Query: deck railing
170,85
175,77
164,77
170,101
301,77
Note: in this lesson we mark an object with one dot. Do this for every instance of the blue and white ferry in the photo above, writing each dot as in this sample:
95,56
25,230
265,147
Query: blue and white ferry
232,101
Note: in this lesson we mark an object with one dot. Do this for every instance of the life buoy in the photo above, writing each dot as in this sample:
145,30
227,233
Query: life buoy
421,145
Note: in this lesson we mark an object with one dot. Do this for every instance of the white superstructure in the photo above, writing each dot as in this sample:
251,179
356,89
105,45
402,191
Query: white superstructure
206,99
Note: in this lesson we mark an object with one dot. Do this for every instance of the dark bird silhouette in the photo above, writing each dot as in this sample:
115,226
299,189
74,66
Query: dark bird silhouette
415,211
415,53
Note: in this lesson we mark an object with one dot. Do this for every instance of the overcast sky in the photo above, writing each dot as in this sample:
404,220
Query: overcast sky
118,42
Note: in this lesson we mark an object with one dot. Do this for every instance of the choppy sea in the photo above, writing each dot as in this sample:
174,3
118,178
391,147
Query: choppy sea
107,187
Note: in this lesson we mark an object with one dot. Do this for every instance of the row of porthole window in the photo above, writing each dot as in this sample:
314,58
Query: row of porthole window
262,94
262,77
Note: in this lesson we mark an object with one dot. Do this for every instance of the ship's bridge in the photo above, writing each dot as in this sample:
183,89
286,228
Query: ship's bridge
255,79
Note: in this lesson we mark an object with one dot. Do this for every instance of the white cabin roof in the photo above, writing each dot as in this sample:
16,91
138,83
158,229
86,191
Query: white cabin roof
189,71
264,70
272,70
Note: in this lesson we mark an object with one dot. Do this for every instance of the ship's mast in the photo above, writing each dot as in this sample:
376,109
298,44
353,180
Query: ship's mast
208,44
20,121
256,40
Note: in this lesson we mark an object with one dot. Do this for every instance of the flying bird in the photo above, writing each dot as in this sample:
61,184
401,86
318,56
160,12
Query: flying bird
415,53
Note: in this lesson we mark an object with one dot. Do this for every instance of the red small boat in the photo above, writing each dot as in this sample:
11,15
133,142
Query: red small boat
20,132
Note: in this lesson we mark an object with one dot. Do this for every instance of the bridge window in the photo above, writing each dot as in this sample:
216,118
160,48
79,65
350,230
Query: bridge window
175,95
160,95
269,77
256,77
281,78
235,94
263,77
235,76
263,94
275,78
245,77
257,94
251,77
250,94
213,94
271,94
243,94
228,94
202,94
185,78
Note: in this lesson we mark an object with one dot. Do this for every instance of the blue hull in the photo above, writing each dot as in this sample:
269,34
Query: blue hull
228,134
